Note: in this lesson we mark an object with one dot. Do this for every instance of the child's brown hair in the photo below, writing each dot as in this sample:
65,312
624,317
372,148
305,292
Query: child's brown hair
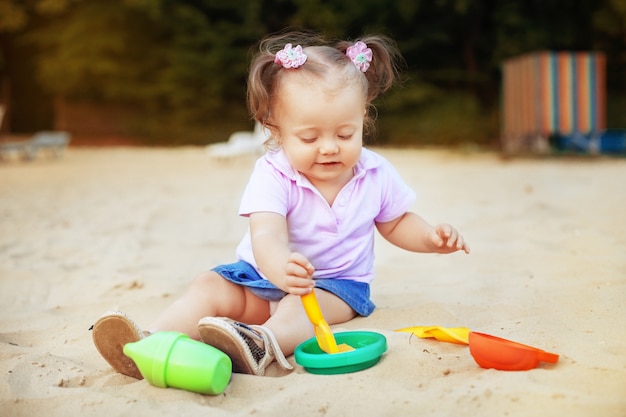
324,60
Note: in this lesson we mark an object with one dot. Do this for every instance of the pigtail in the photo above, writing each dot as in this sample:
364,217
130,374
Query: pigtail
385,66
264,72
261,81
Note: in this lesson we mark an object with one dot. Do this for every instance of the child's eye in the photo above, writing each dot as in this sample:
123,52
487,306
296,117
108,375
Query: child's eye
344,137
308,140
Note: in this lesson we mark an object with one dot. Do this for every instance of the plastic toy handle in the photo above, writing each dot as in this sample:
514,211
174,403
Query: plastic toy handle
323,333
312,308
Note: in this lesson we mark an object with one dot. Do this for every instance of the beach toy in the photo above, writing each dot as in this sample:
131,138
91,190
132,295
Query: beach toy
349,352
459,335
494,352
324,335
172,359
367,348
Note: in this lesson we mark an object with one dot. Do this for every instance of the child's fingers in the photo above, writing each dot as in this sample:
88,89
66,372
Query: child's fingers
297,272
301,260
457,242
442,234
300,286
436,238
465,249
453,238
442,230
448,237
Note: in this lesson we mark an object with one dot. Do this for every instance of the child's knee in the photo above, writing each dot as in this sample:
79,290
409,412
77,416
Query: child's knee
205,280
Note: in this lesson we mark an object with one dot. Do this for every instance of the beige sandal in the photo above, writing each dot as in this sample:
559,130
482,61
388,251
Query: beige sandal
251,348
110,333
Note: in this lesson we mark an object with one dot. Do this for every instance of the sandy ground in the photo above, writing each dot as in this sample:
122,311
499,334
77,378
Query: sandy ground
128,228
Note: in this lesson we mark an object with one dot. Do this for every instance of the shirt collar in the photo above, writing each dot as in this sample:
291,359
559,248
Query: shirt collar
279,161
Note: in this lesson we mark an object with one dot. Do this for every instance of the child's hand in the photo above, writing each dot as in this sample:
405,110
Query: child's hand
447,239
298,278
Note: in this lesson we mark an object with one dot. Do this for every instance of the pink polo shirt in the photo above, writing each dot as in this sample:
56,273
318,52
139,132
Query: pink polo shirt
337,239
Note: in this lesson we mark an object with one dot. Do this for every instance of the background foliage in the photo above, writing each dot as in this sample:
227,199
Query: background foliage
180,65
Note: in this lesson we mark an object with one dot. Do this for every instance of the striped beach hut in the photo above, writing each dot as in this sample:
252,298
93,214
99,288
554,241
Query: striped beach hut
546,93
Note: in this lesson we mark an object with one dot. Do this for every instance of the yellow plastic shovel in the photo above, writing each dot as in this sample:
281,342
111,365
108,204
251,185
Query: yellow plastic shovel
325,338
459,335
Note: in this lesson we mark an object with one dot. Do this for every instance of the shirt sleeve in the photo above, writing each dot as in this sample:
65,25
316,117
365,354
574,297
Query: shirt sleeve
397,196
267,190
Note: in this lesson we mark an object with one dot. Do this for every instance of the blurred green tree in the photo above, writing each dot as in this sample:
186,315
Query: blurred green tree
181,64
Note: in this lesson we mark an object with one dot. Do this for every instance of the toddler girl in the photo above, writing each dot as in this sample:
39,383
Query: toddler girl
313,202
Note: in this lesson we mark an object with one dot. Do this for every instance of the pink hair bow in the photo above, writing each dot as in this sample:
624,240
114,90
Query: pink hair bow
290,57
361,55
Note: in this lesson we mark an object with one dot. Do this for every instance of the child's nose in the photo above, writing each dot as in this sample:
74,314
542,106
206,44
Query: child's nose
328,146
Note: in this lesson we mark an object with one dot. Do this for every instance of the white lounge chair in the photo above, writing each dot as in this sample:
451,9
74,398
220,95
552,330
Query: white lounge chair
240,143
52,142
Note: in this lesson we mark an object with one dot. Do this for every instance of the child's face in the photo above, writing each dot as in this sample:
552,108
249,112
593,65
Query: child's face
320,130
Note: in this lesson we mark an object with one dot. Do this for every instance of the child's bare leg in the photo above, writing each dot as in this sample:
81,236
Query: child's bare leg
210,295
291,326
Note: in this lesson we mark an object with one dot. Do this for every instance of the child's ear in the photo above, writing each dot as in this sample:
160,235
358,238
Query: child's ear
274,131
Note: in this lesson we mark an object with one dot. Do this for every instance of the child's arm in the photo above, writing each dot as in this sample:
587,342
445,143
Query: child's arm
290,271
413,233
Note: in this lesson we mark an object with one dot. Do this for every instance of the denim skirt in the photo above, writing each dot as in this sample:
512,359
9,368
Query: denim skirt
355,294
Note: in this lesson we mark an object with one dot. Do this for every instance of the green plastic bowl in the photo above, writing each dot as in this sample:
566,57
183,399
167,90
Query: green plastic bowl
368,348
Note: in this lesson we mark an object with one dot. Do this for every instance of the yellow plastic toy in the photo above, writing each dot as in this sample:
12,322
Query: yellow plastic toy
488,351
458,335
324,335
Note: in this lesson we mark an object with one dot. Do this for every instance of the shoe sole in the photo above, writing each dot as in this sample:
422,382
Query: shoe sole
110,333
222,336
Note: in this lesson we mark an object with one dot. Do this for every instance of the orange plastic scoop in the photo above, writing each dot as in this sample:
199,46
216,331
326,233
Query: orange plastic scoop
324,335
497,353
459,335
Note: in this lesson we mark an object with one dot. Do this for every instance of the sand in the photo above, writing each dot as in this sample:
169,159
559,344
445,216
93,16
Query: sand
128,228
